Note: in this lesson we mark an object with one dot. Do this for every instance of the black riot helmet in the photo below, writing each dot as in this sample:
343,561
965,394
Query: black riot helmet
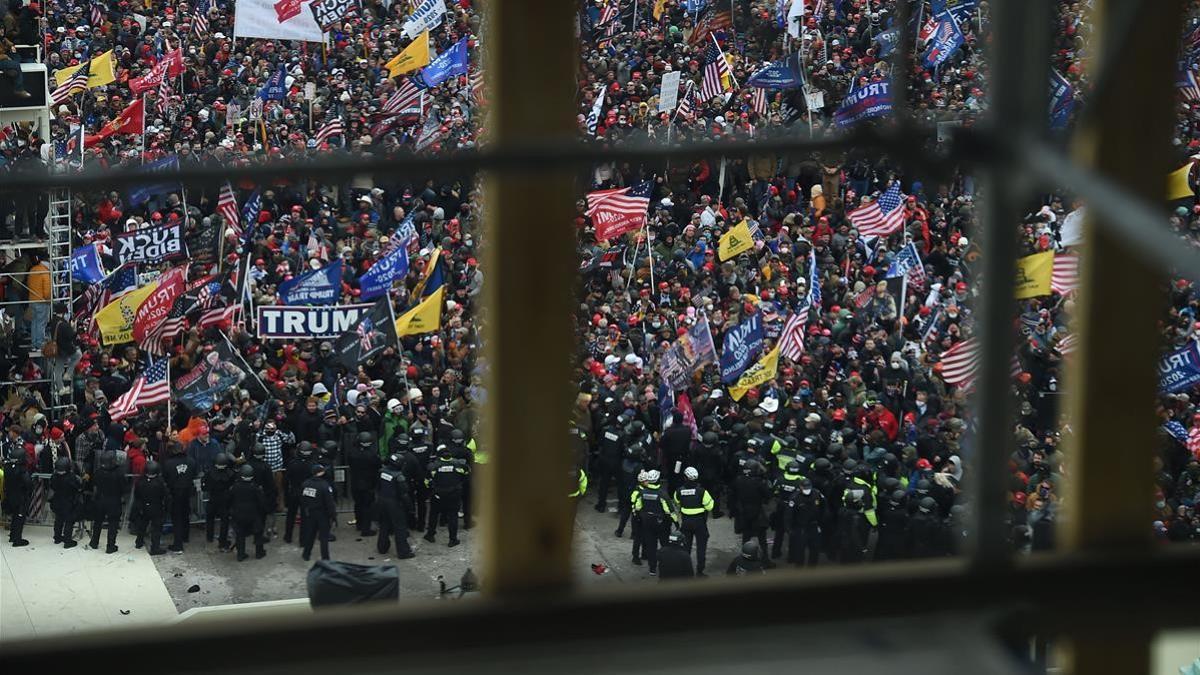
365,438
739,429
822,465
152,469
62,465
305,449
246,472
849,466
750,550
394,460
457,436
318,469
923,486
259,451
898,497
793,467
221,460
709,439
329,447
927,504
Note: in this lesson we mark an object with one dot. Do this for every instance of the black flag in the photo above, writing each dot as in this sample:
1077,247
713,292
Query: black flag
374,332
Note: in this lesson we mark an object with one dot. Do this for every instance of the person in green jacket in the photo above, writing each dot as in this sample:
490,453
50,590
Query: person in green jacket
393,423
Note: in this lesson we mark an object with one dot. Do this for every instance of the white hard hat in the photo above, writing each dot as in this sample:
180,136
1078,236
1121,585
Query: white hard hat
653,475
691,473
415,394
643,476
964,242
393,404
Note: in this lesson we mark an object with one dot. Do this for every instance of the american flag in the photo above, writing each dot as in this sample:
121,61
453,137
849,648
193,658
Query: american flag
150,388
1185,81
331,128
608,12
76,83
1065,276
429,135
406,97
960,363
758,102
791,340
215,316
1067,344
164,95
882,216
1193,441
630,201
717,22
97,15
686,105
227,208
477,90
717,75
200,17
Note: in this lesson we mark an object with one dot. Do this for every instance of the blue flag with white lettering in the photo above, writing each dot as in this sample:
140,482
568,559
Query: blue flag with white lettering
947,38
378,279
448,64
961,9
275,88
1180,370
250,218
1062,100
783,74
887,41
318,287
742,345
85,265
870,100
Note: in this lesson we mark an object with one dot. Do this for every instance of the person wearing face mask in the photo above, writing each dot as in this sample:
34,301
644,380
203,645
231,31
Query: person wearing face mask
274,441
804,513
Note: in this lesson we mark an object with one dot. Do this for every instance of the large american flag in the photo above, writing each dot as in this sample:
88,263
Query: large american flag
1185,81
630,200
791,340
164,95
477,87
710,24
758,101
150,388
97,15
717,75
882,216
1065,277
1193,441
330,129
406,97
608,12
960,363
200,17
76,83
1067,344
687,106
227,208
215,316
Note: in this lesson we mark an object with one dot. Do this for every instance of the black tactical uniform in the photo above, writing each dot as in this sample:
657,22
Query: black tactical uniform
395,505
298,470
248,506
18,485
316,511
109,485
446,477
150,499
180,472
216,483
65,485
364,474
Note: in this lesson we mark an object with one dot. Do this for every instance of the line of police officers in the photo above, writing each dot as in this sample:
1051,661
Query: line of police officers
785,483
415,487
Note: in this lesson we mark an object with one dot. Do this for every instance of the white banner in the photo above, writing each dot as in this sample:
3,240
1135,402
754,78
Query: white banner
276,20
670,91
289,322
427,16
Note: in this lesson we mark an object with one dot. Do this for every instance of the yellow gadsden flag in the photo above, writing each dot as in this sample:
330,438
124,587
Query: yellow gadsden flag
756,374
1033,275
736,241
660,6
424,318
1177,183
116,318
102,71
414,56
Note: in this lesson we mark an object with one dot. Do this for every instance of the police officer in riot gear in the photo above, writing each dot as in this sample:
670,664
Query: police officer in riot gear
608,461
395,506
65,485
248,506
695,503
785,487
364,473
423,451
109,485
446,476
805,512
217,482
298,470
317,510
633,464
180,472
150,500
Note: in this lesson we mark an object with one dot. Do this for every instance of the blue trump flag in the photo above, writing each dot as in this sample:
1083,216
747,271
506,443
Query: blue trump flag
250,218
1062,100
448,64
905,260
85,265
142,193
275,88
378,279
318,287
1180,370
961,9
872,100
783,74
946,40
741,346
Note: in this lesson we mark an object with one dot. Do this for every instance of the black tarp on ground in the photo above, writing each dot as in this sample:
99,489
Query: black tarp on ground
340,583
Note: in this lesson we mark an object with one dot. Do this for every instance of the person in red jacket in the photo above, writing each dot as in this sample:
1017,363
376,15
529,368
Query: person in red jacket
135,453
881,418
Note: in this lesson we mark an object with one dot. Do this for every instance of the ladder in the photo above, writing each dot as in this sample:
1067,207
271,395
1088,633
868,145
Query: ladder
58,245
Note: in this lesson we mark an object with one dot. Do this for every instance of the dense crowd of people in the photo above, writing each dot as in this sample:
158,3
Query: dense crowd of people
856,445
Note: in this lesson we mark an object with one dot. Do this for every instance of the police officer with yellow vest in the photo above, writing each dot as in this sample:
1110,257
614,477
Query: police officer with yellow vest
695,503
786,486
654,514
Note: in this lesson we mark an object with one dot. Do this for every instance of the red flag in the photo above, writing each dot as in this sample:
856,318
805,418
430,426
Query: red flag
156,306
684,406
171,65
130,121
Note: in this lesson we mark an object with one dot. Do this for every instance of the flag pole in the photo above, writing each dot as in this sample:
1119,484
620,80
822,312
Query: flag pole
649,250
143,154
170,426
